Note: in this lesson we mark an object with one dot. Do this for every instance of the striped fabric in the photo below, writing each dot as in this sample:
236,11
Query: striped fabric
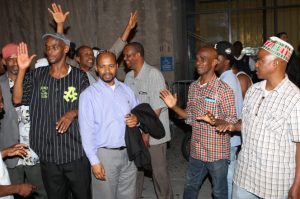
270,128
217,98
49,99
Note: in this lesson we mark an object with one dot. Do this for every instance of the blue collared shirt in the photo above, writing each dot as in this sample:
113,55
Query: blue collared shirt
102,112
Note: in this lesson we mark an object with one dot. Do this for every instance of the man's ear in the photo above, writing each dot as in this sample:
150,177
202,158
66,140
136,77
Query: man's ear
215,62
66,49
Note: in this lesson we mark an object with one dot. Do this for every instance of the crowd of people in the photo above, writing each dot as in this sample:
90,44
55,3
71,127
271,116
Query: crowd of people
71,129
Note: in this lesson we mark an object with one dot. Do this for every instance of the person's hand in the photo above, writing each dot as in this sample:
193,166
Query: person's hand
57,13
208,117
131,120
15,150
294,192
133,19
169,99
25,189
146,139
23,58
65,121
98,171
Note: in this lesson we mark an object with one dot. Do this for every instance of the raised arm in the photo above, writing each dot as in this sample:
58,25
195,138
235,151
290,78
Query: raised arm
171,100
130,25
24,62
59,17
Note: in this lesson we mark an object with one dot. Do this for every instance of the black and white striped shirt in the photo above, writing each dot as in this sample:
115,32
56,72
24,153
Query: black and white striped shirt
49,99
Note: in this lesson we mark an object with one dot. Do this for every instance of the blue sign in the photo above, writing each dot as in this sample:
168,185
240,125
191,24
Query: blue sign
166,64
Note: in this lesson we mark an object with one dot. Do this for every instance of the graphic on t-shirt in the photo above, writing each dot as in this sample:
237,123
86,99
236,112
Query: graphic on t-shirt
71,94
44,92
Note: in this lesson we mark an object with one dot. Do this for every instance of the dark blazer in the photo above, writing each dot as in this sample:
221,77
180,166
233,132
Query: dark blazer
148,123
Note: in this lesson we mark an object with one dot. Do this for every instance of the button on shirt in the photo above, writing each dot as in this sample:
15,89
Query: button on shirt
270,128
217,98
102,112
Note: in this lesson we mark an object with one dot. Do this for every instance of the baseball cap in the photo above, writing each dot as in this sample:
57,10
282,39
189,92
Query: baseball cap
59,36
224,48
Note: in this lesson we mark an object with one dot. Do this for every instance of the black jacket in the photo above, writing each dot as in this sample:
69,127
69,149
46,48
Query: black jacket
149,123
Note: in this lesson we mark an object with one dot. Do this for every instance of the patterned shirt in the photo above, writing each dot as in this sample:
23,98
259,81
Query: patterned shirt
217,98
270,128
49,99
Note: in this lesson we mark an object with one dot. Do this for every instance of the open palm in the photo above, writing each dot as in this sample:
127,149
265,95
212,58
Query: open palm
169,99
57,13
133,19
23,58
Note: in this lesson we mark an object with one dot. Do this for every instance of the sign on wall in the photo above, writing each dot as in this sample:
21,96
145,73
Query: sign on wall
166,64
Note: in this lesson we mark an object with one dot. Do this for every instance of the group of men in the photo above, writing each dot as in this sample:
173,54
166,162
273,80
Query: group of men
72,120
72,123
268,165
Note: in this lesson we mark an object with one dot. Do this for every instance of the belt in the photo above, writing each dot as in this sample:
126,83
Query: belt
118,148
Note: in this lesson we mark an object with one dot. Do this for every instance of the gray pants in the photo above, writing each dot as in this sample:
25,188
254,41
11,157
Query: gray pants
160,174
29,174
120,176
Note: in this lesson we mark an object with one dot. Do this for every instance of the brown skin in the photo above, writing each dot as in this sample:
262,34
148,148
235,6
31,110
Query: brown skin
56,52
24,189
134,60
107,69
11,66
223,64
206,61
271,69
244,80
85,59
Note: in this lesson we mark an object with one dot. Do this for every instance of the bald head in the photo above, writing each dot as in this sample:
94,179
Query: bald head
206,60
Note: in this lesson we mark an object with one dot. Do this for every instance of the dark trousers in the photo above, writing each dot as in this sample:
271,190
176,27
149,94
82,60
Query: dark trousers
73,177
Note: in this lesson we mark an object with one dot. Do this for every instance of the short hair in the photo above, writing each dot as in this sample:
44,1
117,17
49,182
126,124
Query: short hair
79,48
279,35
101,52
138,47
238,43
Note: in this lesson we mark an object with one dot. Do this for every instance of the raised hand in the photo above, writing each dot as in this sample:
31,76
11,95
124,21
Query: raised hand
23,58
133,19
57,13
169,99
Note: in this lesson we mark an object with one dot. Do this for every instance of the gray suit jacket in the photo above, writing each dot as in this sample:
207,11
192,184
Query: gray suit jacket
9,130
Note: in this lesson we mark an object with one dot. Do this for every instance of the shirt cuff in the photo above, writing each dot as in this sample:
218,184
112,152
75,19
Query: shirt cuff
94,160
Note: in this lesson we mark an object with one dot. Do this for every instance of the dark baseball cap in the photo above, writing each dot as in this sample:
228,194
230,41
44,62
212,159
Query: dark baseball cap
225,48
59,36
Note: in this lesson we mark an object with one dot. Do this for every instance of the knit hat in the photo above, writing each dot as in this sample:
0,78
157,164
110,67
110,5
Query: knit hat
59,36
9,49
279,48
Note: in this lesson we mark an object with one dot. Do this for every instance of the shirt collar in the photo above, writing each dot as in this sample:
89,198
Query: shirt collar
103,84
209,84
143,72
279,88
